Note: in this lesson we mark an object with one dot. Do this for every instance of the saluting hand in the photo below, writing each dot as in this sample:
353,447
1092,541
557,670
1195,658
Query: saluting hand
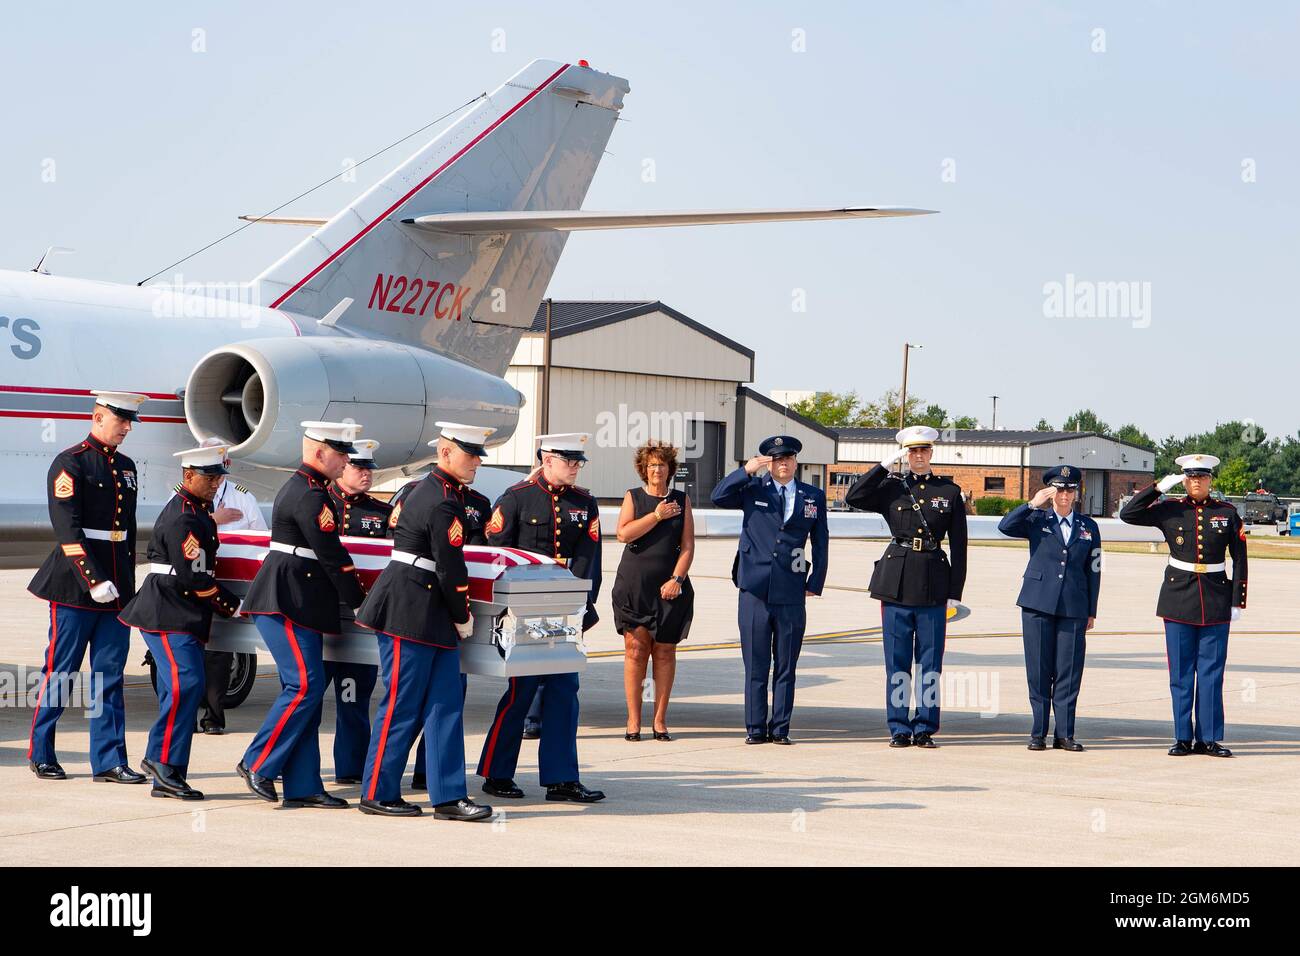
1167,482
1042,497
757,464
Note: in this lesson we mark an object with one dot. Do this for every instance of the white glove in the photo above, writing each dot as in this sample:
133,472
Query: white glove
953,603
466,630
896,460
1167,482
104,592
1236,614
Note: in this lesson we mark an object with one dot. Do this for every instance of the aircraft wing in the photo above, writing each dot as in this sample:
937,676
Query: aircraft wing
579,220
576,220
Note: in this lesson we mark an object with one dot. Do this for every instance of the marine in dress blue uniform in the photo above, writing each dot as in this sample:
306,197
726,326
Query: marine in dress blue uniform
87,579
1198,600
914,580
173,610
477,510
419,609
547,514
1058,600
294,600
774,575
361,516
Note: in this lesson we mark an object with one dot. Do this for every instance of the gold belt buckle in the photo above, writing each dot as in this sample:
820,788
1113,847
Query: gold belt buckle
1200,569
916,544
117,536
564,562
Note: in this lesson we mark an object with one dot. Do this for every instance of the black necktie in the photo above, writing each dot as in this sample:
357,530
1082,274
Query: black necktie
782,489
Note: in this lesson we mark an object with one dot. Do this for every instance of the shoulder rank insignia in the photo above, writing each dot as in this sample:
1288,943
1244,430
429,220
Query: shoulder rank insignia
497,522
241,488
190,547
177,487
455,533
325,520
63,485
392,518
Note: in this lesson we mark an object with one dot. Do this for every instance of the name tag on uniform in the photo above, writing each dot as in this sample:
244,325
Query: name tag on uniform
760,504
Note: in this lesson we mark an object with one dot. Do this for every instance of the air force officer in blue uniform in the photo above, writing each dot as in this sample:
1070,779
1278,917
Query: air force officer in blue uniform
1058,601
772,572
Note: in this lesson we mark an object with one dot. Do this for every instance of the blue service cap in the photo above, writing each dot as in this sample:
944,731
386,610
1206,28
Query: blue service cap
1062,476
779,446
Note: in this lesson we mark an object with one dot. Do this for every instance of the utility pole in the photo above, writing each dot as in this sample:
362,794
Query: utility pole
902,398
546,374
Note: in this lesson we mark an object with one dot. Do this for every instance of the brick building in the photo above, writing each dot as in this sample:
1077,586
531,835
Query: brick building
1007,463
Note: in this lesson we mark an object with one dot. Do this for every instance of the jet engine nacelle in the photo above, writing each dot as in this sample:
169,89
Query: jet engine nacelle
255,394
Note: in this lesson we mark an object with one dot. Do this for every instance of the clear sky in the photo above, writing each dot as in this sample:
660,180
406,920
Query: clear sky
1051,149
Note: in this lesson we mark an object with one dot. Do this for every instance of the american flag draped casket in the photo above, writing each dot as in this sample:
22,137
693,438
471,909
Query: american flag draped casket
527,607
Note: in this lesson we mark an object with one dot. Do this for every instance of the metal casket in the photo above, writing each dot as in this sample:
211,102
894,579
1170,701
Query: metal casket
527,608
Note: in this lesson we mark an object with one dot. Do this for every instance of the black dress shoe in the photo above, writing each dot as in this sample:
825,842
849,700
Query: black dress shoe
1214,749
900,740
1066,743
48,771
348,780
122,774
417,782
324,801
465,810
1181,748
924,740
390,808
502,787
1037,743
782,739
662,735
263,787
212,730
169,782
575,791
532,731
633,736
757,739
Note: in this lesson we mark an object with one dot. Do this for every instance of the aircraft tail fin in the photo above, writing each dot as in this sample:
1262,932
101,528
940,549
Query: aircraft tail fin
533,144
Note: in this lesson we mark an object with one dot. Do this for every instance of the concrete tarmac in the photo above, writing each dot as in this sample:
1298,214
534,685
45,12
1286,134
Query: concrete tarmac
840,795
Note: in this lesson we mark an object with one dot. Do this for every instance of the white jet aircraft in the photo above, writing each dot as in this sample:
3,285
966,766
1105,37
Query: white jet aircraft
403,308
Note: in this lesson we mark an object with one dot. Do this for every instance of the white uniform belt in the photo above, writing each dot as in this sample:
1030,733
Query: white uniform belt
99,535
160,569
406,557
291,549
1198,568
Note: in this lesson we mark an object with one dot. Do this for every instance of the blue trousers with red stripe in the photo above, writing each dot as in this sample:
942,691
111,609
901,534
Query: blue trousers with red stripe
913,634
421,691
182,686
1198,654
354,685
288,743
72,630
420,762
557,752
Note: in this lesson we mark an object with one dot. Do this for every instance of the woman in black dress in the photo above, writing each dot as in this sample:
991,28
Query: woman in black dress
652,597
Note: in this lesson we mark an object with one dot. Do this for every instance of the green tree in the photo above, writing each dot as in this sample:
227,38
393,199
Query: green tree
833,409
1043,426
965,421
1134,436
1235,477
1086,420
